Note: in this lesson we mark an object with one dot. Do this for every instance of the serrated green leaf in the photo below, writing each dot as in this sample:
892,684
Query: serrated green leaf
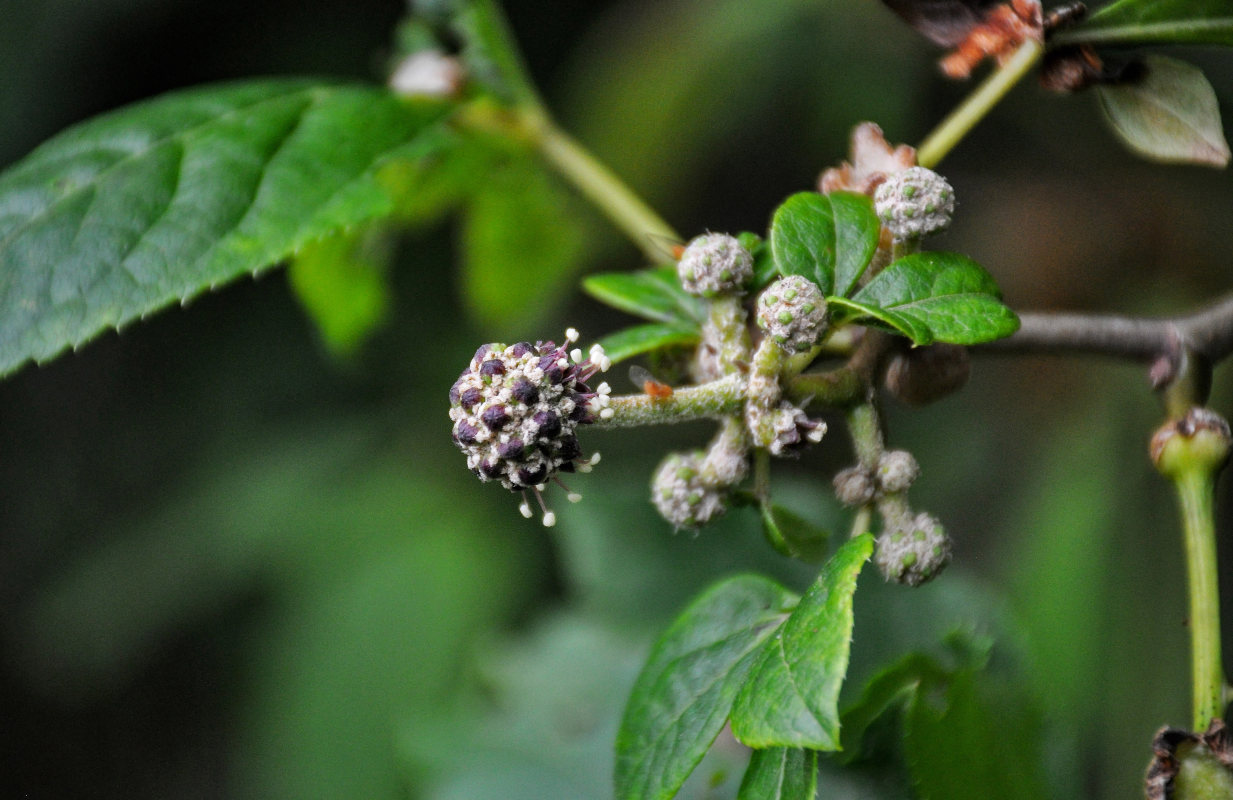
342,282
653,294
829,239
780,773
1170,115
685,691
122,215
792,694
641,339
1136,22
935,297
520,241
969,739
792,534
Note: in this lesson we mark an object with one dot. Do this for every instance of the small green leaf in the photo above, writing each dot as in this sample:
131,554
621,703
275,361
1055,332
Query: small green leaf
641,339
781,773
891,687
856,238
792,534
1137,22
803,239
152,204
653,294
684,693
342,283
1170,115
521,239
791,697
942,297
961,743
829,239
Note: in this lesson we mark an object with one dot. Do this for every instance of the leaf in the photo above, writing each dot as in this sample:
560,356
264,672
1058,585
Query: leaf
829,239
781,773
685,691
792,534
1156,21
342,283
893,686
653,294
856,238
641,339
792,695
1170,115
124,214
520,240
970,739
942,297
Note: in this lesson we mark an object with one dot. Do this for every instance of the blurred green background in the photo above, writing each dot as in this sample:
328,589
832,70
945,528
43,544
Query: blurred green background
232,565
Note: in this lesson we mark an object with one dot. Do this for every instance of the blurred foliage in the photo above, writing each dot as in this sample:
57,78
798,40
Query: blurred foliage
231,566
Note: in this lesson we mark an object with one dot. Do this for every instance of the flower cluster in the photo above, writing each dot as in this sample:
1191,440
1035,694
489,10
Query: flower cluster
915,202
516,410
913,553
793,313
714,264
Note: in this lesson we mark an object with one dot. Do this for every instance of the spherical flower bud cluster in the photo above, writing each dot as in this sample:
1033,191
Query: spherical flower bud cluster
516,411
792,311
714,264
894,473
681,494
913,553
915,202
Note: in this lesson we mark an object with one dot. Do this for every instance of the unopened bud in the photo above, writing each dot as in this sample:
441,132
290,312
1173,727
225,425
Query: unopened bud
714,264
792,311
1199,440
924,375
914,553
915,202
854,486
897,470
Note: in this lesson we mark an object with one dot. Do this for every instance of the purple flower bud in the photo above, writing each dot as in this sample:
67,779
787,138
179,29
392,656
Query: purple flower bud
511,450
465,432
492,366
525,392
495,417
481,352
470,397
521,349
489,469
454,392
547,423
532,476
568,448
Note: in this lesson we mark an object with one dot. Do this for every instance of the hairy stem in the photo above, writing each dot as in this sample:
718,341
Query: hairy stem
1195,492
960,121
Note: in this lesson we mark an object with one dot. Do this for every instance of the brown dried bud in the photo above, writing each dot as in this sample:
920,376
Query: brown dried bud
923,375
1191,766
1199,440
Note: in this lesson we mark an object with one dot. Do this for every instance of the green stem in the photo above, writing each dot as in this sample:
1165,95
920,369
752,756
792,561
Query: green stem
610,195
866,431
960,121
1195,491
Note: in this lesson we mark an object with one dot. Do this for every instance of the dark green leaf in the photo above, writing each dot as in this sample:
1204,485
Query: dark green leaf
803,239
970,739
653,294
781,773
124,214
641,339
891,687
856,238
342,283
764,270
685,691
1137,22
829,239
791,697
943,297
792,534
520,241
1170,115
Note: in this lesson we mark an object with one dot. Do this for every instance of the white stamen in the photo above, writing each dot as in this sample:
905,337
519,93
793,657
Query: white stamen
573,497
604,388
607,413
571,335
562,363
576,354
584,467
595,458
524,508
550,519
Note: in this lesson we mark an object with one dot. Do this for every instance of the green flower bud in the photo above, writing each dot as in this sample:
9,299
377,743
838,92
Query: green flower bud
914,553
714,264
1199,440
792,312
681,495
915,202
896,471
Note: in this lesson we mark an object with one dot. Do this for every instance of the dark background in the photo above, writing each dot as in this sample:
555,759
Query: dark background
234,566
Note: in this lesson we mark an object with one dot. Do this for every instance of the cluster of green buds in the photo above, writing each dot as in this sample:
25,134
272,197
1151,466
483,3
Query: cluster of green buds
914,203
913,547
